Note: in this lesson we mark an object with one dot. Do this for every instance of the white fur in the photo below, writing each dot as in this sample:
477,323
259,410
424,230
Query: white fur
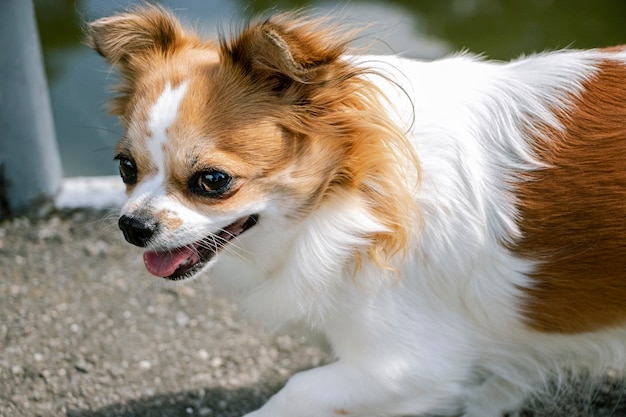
162,116
445,336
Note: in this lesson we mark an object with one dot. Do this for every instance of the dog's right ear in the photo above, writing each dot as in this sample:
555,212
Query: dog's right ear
287,49
127,39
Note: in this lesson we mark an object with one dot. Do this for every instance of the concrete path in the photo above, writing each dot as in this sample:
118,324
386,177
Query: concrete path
85,331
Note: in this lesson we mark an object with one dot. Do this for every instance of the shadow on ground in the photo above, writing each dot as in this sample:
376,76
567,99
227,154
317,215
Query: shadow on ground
214,402
608,399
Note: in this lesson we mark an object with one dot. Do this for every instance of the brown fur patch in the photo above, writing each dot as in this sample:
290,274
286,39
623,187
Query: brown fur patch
574,212
169,220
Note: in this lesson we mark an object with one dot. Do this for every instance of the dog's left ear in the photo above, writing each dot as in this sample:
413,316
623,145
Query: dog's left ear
286,49
127,39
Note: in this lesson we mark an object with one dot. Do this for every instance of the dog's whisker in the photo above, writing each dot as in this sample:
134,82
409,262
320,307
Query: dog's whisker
215,243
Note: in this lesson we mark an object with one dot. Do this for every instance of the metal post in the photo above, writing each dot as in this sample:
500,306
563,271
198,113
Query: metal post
30,165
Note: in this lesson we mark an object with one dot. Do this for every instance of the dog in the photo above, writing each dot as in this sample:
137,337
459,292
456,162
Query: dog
454,230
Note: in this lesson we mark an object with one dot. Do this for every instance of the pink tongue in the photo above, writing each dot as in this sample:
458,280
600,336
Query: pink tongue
163,264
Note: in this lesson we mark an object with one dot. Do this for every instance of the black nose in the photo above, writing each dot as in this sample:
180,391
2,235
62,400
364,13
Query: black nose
137,230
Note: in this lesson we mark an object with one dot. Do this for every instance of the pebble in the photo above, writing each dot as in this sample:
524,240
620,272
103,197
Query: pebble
216,362
205,411
182,319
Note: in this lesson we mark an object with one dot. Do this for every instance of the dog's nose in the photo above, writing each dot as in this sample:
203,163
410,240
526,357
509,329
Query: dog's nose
137,231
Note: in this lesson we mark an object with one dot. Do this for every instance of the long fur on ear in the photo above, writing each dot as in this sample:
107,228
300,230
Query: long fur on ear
289,45
123,37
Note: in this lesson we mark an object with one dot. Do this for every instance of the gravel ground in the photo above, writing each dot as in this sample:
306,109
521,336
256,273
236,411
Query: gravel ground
86,332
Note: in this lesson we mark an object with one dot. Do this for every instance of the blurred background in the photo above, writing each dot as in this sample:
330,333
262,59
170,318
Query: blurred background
79,80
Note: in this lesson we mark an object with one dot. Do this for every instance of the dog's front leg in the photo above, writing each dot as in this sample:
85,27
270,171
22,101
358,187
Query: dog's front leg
342,389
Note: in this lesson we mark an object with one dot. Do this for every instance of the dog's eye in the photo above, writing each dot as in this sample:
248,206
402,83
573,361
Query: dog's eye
211,183
128,170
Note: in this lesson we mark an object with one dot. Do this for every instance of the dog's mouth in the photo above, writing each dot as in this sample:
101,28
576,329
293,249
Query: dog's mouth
185,261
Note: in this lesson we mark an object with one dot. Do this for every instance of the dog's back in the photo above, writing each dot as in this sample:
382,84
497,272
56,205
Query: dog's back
523,198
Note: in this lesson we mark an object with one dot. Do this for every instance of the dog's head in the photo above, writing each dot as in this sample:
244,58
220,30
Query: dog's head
222,137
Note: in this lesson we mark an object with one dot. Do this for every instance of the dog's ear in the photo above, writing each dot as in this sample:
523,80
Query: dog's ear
126,39
286,49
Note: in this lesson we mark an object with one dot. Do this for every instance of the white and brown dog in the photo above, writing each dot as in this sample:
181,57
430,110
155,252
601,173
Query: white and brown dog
455,230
